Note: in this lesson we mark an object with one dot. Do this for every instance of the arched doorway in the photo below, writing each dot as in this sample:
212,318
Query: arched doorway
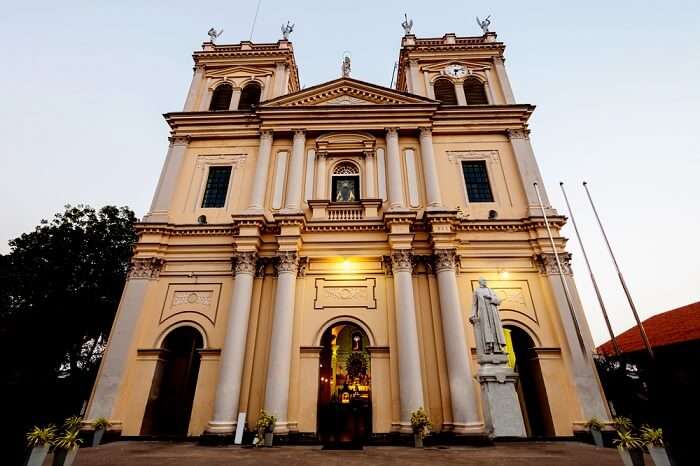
344,393
531,389
172,392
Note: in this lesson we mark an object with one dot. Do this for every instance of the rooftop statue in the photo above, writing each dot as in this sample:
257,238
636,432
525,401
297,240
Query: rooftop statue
213,34
346,67
484,25
487,321
407,24
286,30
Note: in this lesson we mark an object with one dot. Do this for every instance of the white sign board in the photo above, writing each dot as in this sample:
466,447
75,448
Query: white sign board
239,429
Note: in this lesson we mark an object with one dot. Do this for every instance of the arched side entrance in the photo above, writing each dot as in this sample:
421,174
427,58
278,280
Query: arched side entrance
172,391
344,388
531,390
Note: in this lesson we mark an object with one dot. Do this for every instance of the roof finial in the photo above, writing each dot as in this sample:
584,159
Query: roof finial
286,30
213,34
484,25
346,66
407,24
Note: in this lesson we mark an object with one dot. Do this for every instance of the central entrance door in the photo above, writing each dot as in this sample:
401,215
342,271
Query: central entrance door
344,395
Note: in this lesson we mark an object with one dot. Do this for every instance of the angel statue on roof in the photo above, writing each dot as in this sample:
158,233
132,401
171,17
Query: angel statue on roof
484,25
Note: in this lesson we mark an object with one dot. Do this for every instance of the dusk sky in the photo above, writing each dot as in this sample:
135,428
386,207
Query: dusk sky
616,85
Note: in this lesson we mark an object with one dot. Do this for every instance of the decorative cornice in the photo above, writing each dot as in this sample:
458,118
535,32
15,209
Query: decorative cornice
401,260
145,268
244,262
547,265
179,140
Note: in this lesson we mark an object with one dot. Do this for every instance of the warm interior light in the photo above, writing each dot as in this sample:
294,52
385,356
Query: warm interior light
503,274
346,264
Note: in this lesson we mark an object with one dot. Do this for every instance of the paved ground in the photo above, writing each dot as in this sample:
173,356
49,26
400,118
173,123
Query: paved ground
503,454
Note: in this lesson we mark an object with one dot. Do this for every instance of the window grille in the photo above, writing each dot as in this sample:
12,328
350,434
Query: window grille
475,92
445,92
217,187
477,181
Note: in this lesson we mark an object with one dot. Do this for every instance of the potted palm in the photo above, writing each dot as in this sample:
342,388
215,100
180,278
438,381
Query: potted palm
100,425
654,441
72,423
421,426
264,427
595,426
623,423
629,447
65,448
39,440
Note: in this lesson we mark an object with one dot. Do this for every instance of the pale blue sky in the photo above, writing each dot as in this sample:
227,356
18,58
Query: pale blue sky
616,84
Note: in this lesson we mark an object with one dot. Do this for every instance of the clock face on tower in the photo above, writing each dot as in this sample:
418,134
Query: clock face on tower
456,71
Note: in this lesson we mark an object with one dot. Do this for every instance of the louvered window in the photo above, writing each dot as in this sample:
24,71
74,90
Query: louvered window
477,180
250,97
221,98
217,187
475,92
445,92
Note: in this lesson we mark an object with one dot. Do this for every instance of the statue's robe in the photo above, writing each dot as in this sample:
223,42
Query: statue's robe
489,330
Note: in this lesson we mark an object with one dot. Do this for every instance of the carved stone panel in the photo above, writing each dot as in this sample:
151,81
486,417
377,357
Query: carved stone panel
202,299
345,293
515,296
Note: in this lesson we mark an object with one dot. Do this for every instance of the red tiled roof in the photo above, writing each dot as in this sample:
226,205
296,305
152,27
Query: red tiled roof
675,326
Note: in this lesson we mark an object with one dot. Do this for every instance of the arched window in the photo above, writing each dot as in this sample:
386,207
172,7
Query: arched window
250,96
475,92
445,91
221,98
346,183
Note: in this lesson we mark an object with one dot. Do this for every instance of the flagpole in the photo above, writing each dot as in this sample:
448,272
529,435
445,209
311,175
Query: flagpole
643,332
590,272
561,273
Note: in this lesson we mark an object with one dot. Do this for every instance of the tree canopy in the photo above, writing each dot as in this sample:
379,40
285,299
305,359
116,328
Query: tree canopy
60,286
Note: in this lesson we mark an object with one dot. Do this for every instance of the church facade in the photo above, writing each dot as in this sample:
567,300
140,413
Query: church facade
310,250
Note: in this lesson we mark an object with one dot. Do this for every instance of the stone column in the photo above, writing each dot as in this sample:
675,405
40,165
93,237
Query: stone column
228,388
121,336
432,184
459,91
280,79
235,98
528,168
394,172
410,373
585,375
163,197
415,78
489,86
465,410
257,195
371,177
280,359
500,70
296,172
321,176
195,89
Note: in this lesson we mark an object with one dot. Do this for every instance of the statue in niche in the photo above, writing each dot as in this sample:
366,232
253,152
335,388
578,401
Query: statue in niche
487,321
345,191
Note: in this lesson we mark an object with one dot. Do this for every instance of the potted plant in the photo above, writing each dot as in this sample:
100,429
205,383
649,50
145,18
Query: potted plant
39,440
264,427
623,423
100,425
65,448
654,441
594,426
630,448
420,425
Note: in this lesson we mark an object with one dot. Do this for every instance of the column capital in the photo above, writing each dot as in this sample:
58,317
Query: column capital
299,132
179,140
546,263
145,268
244,262
445,259
425,131
518,133
401,260
287,261
392,131
266,134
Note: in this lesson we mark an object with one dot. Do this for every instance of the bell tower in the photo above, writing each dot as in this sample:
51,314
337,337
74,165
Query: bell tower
455,70
239,76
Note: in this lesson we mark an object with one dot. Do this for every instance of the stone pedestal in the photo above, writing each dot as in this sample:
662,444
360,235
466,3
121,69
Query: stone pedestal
502,415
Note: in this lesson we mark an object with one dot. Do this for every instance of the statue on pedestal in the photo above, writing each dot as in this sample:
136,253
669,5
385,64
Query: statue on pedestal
286,30
484,25
213,34
487,321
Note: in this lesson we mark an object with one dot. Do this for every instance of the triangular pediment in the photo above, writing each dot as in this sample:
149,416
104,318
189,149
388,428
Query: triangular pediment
346,91
238,71
469,65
